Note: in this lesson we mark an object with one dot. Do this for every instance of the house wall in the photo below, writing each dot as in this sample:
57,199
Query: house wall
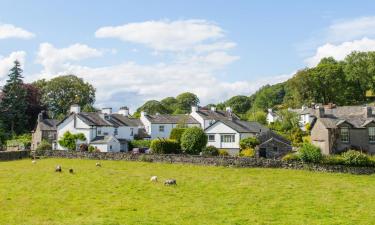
36,138
270,118
219,129
196,116
320,137
125,132
155,133
275,149
78,127
358,139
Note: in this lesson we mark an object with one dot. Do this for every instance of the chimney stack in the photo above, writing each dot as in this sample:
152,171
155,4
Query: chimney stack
194,108
368,111
75,108
124,111
143,113
213,108
107,110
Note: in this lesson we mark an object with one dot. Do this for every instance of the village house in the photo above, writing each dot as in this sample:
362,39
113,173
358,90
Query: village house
341,128
45,130
106,131
306,116
272,116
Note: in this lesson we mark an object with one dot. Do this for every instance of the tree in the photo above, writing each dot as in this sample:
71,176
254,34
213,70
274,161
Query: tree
257,116
69,140
240,104
14,102
34,104
186,100
249,142
89,108
61,92
268,97
153,107
170,103
193,140
176,134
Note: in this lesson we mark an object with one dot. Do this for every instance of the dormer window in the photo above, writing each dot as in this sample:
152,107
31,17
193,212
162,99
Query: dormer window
371,134
344,134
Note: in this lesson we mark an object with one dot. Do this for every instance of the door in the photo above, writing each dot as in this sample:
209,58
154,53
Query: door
263,153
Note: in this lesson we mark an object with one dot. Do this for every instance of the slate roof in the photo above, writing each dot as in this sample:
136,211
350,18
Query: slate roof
354,115
101,139
93,119
169,119
208,114
304,111
48,124
120,120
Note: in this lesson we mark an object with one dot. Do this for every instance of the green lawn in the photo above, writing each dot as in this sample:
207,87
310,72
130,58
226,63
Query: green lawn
120,193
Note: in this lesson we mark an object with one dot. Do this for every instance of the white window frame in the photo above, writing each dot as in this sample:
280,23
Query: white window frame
228,138
211,135
161,128
371,134
344,137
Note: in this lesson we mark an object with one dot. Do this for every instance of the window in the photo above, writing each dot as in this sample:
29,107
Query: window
275,149
371,134
131,131
99,131
227,138
344,134
211,137
110,147
115,132
161,128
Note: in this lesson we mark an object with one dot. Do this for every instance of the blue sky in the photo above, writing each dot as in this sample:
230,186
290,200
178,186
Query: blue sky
132,51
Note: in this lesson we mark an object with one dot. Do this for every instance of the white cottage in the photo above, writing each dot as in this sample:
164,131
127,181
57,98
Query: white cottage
272,116
107,131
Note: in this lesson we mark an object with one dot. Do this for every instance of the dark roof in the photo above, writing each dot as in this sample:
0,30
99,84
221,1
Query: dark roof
216,115
304,111
48,124
353,115
168,119
115,120
101,139
93,119
121,120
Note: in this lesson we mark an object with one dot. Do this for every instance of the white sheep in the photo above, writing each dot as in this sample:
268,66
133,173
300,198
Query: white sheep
58,168
154,179
33,162
98,164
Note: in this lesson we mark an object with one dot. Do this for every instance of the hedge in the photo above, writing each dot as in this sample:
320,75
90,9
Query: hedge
165,146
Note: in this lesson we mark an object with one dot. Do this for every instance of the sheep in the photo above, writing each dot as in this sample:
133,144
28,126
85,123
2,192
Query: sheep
58,168
33,162
98,164
71,170
170,182
154,179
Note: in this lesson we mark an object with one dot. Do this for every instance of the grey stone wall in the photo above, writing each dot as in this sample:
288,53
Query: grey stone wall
13,155
213,161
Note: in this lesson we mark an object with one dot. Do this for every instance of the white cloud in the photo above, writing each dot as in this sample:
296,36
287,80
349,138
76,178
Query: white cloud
340,51
347,30
54,59
6,63
10,31
164,35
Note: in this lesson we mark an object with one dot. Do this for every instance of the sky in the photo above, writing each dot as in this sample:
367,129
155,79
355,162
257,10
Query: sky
134,51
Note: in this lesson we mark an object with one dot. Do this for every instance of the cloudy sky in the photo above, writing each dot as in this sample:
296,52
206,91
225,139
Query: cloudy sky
133,51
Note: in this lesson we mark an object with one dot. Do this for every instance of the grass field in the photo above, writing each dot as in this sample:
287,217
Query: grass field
120,193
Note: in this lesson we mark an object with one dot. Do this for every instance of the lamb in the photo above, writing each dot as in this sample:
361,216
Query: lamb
33,162
154,179
170,182
98,164
71,170
58,168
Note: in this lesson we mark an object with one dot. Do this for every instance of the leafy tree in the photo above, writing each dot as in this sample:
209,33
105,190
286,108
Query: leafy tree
34,104
176,134
257,116
69,140
186,100
268,97
250,142
61,92
153,107
89,108
240,104
170,103
14,102
193,140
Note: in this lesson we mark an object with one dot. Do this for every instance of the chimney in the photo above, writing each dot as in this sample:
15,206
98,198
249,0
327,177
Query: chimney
75,108
143,113
41,115
194,108
124,111
368,111
319,112
107,110
213,108
270,110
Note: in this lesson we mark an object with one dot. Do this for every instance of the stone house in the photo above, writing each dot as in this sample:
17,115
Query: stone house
341,128
45,130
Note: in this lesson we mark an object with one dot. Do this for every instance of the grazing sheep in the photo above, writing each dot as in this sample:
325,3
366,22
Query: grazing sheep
154,179
71,170
170,182
98,164
33,162
58,168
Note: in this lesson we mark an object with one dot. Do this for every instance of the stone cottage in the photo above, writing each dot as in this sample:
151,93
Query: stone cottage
45,130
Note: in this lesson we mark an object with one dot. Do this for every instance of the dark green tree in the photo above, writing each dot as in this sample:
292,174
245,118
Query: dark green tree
153,107
240,104
185,101
14,102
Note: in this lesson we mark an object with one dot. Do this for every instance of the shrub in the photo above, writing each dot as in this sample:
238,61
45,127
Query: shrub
193,140
69,140
223,152
290,157
43,146
250,142
91,148
356,158
145,158
210,151
83,147
139,144
248,152
166,146
310,153
333,160
176,134
22,141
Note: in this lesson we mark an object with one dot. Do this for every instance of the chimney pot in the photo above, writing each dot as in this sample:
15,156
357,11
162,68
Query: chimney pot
213,108
75,108
107,110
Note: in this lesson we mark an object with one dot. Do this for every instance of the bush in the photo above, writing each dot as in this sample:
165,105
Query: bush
193,140
139,144
356,158
43,146
290,157
22,141
333,160
223,152
176,134
248,152
250,142
91,148
69,140
310,153
83,147
166,146
210,151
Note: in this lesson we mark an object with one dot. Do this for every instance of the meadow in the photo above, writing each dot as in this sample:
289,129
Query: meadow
120,192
